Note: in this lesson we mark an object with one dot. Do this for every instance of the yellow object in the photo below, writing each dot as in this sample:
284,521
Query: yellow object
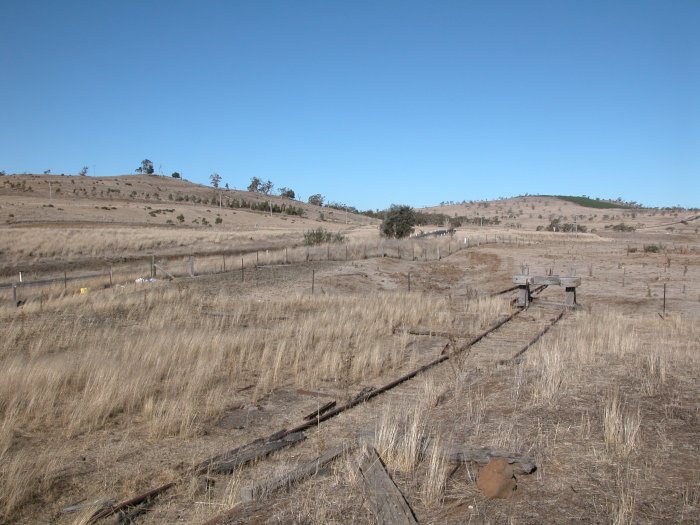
84,290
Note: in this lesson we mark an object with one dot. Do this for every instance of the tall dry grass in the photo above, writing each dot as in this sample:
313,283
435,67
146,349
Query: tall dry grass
169,361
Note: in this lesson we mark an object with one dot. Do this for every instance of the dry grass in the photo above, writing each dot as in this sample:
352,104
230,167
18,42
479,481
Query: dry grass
169,362
620,424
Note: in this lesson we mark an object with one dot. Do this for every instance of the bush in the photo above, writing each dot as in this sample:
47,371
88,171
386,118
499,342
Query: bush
622,227
651,248
320,236
219,220
399,221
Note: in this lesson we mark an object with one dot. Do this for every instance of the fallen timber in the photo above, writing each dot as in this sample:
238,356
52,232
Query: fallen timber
387,502
308,469
363,397
481,456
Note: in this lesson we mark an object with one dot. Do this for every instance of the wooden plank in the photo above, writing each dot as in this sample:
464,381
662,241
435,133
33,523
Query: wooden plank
305,470
521,464
228,462
131,502
320,410
386,500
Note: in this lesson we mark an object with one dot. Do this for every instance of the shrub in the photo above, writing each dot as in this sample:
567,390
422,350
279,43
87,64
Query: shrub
320,236
399,221
651,248
622,227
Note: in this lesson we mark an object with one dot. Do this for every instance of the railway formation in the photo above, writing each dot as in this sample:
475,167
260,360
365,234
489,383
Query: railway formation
502,343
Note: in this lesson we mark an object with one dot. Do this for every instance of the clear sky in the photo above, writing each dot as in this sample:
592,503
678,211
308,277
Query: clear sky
366,102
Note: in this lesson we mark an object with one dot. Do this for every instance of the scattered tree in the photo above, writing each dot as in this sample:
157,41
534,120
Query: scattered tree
266,187
399,221
226,185
47,172
83,172
254,185
215,179
316,199
286,192
146,167
258,186
176,175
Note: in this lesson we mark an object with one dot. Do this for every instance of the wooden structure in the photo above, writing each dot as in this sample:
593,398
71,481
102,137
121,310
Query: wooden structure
525,281
383,496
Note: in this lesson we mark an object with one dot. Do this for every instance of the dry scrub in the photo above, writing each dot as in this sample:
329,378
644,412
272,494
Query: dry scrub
169,361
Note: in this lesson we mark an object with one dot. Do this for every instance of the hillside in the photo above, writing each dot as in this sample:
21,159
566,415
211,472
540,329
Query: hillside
530,212
50,221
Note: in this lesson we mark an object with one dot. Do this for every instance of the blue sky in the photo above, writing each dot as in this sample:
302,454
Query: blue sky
367,103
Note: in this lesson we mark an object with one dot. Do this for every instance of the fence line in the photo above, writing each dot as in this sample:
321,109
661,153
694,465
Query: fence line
179,266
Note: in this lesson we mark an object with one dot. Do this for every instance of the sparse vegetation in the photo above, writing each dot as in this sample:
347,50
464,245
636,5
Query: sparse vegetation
321,236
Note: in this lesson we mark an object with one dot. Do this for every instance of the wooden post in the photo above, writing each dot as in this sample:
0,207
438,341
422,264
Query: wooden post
346,252
413,246
624,270
241,269
110,276
65,280
524,295
191,270
313,279
409,281
664,298
257,257
286,260
328,252
14,294
223,256
153,265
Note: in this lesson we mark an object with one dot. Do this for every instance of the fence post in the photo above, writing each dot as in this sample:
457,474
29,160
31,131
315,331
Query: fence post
328,252
223,256
664,298
65,280
346,251
286,260
191,265
257,258
241,269
14,294
409,281
110,275
313,280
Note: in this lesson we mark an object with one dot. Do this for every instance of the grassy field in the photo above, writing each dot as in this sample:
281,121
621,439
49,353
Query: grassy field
111,392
